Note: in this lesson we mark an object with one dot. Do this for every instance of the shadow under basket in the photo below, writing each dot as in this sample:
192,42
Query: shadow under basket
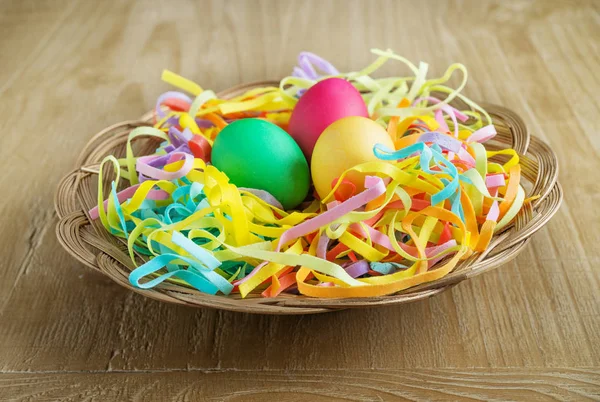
90,243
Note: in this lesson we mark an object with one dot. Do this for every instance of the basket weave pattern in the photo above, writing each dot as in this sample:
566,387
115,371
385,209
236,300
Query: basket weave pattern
92,245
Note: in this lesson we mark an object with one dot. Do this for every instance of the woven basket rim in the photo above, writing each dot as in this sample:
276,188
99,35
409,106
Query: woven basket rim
88,244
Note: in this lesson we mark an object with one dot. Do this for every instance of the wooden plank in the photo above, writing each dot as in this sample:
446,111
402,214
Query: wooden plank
79,67
314,385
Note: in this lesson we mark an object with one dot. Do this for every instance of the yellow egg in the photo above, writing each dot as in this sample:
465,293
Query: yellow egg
345,144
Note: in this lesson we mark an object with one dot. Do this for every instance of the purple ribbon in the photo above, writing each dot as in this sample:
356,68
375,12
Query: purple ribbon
358,268
306,67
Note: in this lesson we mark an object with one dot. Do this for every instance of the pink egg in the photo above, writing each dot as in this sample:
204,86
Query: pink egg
324,103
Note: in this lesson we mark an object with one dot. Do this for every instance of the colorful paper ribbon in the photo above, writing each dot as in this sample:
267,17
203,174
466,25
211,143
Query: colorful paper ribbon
433,200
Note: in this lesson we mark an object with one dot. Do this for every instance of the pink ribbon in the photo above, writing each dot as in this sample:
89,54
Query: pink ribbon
483,134
374,187
495,180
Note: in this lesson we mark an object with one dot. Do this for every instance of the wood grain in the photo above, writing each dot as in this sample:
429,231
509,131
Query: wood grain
70,69
312,385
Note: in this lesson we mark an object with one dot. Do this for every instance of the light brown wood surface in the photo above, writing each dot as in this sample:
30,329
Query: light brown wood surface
529,330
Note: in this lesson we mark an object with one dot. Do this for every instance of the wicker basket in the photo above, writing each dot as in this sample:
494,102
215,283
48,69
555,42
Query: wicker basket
91,244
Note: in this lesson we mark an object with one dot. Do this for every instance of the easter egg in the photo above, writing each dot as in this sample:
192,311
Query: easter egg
345,144
322,104
257,154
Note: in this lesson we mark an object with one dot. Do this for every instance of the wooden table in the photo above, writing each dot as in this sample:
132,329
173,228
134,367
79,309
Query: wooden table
530,330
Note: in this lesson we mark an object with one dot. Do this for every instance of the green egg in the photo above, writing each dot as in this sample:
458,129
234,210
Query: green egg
257,154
